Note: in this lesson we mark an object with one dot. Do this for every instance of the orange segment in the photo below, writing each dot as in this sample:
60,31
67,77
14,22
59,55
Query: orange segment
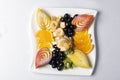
44,44
44,36
82,41
89,49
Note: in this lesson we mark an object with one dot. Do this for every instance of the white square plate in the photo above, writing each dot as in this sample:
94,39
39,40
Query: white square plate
75,71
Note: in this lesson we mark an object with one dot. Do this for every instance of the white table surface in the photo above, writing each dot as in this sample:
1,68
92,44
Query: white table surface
15,47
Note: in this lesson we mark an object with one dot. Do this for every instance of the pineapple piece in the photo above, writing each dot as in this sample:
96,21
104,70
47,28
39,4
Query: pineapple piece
79,59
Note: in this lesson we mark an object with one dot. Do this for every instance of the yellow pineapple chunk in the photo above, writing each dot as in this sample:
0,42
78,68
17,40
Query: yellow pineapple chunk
79,59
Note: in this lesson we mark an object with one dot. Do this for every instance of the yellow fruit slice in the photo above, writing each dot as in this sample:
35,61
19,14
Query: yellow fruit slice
79,59
44,36
64,43
88,50
55,21
83,42
44,45
43,19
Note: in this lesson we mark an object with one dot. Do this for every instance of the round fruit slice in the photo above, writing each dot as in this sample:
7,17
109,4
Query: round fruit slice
79,59
53,26
83,42
43,19
58,32
44,36
83,21
64,43
43,57
55,21
44,44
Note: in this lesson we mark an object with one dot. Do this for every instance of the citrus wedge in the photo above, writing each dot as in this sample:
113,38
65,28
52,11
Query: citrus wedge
44,36
83,42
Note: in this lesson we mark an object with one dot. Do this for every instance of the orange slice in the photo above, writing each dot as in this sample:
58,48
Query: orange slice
83,42
44,36
44,44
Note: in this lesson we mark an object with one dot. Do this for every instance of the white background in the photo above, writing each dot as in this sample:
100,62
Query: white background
14,38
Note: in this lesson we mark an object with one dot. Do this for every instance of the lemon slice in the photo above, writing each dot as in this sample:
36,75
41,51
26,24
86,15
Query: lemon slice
43,19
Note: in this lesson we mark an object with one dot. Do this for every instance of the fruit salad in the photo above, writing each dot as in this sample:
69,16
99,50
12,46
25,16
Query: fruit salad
63,41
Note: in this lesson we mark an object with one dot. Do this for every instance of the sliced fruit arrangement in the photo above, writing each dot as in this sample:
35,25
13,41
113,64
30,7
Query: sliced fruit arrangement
63,41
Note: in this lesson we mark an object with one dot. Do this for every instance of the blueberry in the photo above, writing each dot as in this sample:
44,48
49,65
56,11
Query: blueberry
54,65
66,15
70,30
67,34
59,68
65,29
72,26
54,55
58,62
70,34
52,62
55,46
61,54
57,49
70,19
75,15
61,64
56,58
62,19
54,52
61,58
67,24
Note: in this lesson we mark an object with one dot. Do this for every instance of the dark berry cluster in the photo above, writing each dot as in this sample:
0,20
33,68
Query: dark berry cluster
57,58
69,28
